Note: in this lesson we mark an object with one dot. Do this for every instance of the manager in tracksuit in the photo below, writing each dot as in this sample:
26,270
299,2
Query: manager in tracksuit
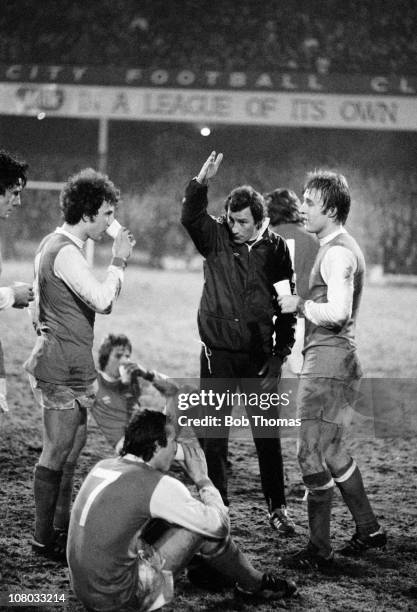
244,335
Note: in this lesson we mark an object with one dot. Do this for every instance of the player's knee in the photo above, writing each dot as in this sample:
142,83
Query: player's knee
337,459
309,458
213,548
54,456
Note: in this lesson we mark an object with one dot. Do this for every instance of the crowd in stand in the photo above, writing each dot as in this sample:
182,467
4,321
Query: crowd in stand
362,36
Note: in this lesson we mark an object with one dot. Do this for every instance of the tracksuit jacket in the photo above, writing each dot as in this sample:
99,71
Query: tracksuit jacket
239,302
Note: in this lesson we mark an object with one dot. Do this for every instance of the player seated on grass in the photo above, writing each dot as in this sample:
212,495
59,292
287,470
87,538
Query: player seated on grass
113,558
120,385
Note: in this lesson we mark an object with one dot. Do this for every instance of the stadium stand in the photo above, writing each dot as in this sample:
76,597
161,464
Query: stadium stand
346,36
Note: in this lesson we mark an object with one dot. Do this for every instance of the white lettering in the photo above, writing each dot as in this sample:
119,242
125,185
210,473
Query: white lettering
237,79
78,72
159,77
186,77
313,83
379,84
260,107
14,72
33,72
134,74
264,80
88,103
286,82
405,87
230,421
187,104
308,109
369,112
194,399
54,72
220,397
212,76
261,421
121,103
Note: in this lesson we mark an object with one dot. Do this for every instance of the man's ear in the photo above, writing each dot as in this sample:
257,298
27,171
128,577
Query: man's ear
332,212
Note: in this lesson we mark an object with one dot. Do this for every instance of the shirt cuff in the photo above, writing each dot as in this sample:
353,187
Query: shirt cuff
3,396
119,262
204,482
7,297
149,375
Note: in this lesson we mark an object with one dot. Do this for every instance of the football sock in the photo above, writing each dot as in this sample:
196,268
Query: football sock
350,483
235,565
319,503
46,489
63,504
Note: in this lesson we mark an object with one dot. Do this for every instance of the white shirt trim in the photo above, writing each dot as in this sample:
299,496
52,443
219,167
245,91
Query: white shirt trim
172,501
337,269
6,297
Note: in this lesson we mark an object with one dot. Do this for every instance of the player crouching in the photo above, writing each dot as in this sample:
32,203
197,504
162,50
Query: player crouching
114,557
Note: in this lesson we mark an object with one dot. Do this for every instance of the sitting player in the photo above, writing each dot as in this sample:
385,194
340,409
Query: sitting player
120,387
114,558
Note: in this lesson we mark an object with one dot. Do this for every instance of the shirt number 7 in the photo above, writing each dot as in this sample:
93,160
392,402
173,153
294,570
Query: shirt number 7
106,477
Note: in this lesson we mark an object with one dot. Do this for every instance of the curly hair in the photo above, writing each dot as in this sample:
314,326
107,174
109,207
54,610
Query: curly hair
108,345
84,193
283,206
12,172
244,197
334,190
145,430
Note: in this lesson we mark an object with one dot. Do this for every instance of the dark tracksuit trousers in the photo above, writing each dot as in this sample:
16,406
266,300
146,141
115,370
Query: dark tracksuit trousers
223,371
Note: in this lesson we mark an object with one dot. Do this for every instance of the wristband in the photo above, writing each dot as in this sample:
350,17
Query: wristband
150,375
119,262
300,307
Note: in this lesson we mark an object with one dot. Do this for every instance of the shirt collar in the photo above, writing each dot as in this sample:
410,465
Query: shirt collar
77,241
108,378
329,237
261,231
133,458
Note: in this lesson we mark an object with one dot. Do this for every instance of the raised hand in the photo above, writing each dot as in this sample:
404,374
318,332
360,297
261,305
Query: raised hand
210,167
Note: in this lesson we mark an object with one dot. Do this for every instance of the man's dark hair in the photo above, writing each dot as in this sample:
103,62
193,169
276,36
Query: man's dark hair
145,430
283,206
244,197
84,193
108,345
12,172
334,190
